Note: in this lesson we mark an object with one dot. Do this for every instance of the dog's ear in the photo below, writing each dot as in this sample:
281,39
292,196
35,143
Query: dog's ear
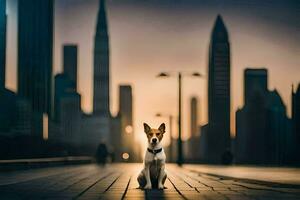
147,128
162,128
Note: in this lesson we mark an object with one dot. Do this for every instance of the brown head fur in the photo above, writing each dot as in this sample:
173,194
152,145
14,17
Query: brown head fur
154,133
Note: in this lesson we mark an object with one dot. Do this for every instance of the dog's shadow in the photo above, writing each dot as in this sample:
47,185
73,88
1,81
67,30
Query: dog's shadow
154,193
141,188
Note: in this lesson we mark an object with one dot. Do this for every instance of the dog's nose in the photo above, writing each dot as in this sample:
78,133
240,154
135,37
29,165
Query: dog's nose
154,140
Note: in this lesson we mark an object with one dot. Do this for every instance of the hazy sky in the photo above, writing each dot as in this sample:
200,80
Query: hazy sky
150,36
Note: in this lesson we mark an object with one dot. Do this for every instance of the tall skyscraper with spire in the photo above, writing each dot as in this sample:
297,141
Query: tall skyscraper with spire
97,126
218,92
2,42
101,65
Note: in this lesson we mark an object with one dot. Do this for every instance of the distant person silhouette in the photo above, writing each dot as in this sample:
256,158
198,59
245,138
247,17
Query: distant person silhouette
227,157
101,154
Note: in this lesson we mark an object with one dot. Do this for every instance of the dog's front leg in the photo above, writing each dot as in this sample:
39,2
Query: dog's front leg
161,176
147,175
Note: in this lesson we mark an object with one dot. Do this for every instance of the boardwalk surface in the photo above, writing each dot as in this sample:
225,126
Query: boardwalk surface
118,181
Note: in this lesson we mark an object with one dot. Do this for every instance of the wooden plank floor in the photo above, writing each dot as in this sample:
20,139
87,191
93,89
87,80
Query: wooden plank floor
118,181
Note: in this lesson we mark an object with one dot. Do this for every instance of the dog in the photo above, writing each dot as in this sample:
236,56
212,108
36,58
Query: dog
153,174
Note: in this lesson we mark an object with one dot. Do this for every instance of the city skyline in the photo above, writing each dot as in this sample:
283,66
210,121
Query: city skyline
157,99
168,89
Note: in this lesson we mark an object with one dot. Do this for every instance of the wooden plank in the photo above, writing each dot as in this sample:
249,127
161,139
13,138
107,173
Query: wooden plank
77,185
101,186
183,189
118,189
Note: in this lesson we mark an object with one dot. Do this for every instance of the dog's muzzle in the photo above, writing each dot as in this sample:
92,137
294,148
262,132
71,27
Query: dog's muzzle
154,140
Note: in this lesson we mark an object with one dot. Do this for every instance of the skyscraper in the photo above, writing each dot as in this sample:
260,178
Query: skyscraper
296,122
35,46
125,104
70,118
97,127
125,112
12,109
2,42
8,111
192,145
251,119
70,63
101,65
255,80
261,125
66,82
277,129
194,116
296,111
67,104
23,118
218,93
62,86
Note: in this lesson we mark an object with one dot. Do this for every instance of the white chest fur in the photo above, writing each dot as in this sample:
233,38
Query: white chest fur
160,157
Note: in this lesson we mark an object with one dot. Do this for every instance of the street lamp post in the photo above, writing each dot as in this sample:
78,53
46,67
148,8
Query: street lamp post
179,141
180,158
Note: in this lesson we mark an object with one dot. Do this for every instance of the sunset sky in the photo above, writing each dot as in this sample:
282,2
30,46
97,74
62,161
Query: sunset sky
150,36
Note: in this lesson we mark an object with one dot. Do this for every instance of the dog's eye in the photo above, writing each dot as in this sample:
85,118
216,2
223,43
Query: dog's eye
157,134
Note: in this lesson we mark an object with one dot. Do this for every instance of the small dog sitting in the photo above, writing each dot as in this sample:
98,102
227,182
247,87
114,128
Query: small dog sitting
153,175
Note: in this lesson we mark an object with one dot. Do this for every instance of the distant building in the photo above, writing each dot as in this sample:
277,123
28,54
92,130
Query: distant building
218,135
251,120
35,47
277,129
8,99
95,129
70,63
261,125
174,147
62,85
116,138
101,65
8,102
255,80
203,143
2,42
296,111
126,114
70,119
24,118
296,125
194,117
15,112
67,102
125,105
192,145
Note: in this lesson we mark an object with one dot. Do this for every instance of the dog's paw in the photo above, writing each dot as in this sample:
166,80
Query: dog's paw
160,186
148,187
